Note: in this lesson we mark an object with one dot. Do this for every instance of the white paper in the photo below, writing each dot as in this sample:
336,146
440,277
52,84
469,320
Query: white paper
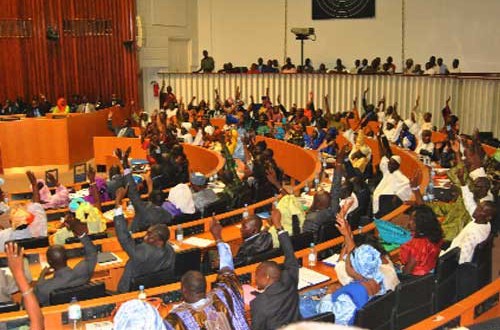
104,325
199,242
332,260
309,277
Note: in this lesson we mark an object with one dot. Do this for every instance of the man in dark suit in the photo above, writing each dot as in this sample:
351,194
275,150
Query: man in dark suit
65,277
154,254
120,131
278,304
255,241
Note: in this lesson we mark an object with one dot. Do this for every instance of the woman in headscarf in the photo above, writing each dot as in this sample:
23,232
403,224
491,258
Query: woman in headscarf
57,200
139,315
180,200
361,153
61,107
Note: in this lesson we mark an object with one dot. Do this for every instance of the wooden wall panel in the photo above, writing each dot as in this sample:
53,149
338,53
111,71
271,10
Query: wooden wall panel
93,65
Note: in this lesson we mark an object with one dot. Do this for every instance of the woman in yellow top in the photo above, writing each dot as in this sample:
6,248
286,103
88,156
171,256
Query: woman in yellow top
61,107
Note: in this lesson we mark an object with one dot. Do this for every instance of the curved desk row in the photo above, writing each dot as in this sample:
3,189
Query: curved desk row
282,151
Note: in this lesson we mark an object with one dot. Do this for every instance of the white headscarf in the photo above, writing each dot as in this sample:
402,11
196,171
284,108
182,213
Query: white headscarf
182,197
138,315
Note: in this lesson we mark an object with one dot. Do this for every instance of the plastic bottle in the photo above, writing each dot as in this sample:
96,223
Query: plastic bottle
306,188
246,213
430,186
313,256
75,314
179,233
142,294
316,183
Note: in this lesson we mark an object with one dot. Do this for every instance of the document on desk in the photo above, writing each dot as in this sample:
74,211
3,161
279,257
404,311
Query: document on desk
107,258
199,242
104,325
332,260
309,277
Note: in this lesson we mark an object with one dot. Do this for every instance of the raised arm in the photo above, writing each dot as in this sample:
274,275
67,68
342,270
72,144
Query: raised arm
337,179
34,187
225,255
15,257
326,104
364,101
124,237
93,188
84,268
291,263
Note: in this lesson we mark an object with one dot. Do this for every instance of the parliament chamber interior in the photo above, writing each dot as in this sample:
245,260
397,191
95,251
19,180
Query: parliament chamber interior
230,164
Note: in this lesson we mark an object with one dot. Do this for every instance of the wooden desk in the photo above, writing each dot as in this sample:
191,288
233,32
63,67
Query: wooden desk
45,141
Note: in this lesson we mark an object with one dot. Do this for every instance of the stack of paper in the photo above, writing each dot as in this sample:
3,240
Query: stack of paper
199,242
309,277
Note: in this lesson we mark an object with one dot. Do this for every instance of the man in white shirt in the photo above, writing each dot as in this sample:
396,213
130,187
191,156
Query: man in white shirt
425,147
393,182
475,232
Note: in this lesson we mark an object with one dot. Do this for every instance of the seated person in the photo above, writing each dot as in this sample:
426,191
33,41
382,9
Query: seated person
363,265
361,154
236,193
65,277
203,197
220,308
125,130
19,226
319,213
278,301
61,107
98,191
255,240
425,147
393,183
419,255
292,217
59,199
38,227
8,284
147,213
180,200
406,139
137,314
475,232
84,212
154,254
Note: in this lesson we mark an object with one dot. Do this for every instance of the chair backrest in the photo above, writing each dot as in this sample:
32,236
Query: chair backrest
82,292
186,261
327,232
55,215
33,243
71,240
273,253
413,301
445,284
327,317
377,314
482,259
151,280
302,240
8,306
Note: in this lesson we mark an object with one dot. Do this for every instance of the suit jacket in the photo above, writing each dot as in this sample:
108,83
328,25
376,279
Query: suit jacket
143,258
252,246
279,303
146,213
129,131
67,277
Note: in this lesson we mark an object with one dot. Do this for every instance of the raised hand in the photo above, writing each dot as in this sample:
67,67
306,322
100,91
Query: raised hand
31,177
91,173
76,226
276,218
417,101
15,261
343,226
216,228
51,179
366,90
448,100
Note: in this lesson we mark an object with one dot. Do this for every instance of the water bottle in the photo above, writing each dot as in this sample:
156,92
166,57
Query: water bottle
75,314
179,234
313,256
316,183
246,213
142,294
430,187
306,188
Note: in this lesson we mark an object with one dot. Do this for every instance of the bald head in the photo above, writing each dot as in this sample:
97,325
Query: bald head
321,200
56,257
250,226
485,212
193,286
267,273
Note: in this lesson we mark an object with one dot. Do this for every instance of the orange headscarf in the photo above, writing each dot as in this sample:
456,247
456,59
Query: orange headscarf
61,105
